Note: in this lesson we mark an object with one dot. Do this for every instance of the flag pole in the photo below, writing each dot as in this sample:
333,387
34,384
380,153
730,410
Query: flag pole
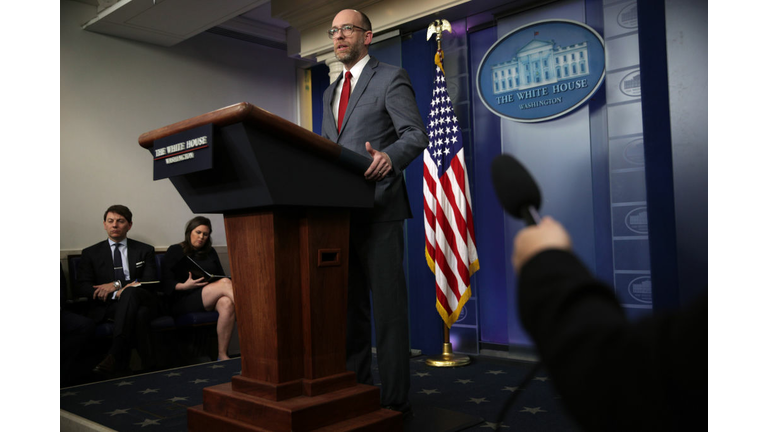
447,358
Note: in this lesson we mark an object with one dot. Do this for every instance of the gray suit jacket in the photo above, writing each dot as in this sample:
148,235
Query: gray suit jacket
382,110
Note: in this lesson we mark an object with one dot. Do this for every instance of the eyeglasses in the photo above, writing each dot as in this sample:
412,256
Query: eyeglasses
345,30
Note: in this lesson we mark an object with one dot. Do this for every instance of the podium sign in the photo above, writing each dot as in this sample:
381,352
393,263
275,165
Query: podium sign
285,193
183,153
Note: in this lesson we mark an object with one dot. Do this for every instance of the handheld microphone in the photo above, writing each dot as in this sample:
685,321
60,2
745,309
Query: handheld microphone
519,194
516,189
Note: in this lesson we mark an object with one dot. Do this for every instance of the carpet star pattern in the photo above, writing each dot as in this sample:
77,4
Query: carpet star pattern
532,410
177,399
494,426
148,422
495,372
144,402
542,379
118,411
466,390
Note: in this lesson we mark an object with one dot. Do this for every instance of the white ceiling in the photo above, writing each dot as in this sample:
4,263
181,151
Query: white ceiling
260,13
168,22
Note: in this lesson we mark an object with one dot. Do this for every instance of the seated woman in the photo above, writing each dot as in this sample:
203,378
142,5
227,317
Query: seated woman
196,295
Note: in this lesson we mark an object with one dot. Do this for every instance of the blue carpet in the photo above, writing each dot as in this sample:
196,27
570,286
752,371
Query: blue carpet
159,401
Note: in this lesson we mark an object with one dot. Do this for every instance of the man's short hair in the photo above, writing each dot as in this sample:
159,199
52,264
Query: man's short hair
121,210
366,22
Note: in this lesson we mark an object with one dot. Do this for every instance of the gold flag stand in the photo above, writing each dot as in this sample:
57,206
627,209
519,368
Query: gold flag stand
448,358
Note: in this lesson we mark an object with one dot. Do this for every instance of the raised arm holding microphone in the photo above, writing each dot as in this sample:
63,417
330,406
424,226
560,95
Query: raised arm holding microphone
613,374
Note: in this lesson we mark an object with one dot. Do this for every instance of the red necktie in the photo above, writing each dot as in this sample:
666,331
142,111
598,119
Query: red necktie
344,97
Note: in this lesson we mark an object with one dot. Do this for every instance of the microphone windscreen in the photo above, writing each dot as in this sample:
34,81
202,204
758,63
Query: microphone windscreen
514,186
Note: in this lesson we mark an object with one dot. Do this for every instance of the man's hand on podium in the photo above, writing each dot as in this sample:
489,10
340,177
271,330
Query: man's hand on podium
381,165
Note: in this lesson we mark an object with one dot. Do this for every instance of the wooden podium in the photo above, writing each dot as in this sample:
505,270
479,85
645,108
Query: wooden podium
285,193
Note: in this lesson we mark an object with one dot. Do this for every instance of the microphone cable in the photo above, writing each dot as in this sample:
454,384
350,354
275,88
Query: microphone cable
520,197
513,397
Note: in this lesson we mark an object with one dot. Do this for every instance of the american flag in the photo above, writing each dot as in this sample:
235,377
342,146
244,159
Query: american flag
448,225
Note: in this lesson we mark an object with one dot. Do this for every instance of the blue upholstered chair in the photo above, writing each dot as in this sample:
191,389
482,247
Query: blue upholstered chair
163,322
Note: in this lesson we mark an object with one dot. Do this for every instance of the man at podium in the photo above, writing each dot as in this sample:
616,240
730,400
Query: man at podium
371,109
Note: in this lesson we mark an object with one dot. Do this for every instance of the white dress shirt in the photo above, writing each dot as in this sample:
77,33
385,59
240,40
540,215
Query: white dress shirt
124,253
356,70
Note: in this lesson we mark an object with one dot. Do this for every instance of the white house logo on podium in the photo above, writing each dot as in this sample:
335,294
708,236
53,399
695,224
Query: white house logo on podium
542,70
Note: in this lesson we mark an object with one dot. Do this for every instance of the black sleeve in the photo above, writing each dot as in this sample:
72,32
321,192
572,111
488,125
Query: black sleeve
86,276
168,279
215,256
613,374
62,286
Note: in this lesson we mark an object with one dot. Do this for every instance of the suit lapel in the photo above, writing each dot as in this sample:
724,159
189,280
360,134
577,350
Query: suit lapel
108,258
333,131
362,83
132,258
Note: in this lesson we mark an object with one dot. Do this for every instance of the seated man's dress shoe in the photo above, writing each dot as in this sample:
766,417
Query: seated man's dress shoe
107,366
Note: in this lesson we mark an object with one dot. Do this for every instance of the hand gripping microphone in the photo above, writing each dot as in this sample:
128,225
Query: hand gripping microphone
516,189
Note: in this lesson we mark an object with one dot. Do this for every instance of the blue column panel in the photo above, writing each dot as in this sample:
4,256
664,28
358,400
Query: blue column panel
491,281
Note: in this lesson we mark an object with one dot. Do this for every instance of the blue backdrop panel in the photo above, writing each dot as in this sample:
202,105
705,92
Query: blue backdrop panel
320,82
634,289
629,209
558,154
658,152
631,254
490,281
601,182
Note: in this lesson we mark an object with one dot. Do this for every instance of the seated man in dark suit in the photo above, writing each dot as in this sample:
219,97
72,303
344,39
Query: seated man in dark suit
109,274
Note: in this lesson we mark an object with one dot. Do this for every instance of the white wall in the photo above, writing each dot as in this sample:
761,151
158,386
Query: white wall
113,90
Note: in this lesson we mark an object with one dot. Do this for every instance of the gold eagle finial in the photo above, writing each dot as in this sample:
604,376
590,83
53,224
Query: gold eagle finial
438,27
